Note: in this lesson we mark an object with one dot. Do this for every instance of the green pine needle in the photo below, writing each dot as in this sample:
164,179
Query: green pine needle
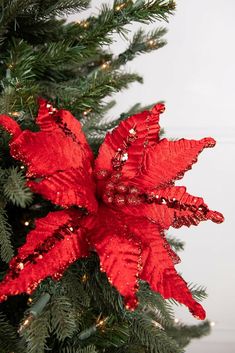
63,317
6,249
8,336
88,349
15,189
37,332
176,244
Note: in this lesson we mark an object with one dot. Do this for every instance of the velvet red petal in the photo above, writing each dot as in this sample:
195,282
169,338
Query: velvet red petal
51,247
158,267
161,215
173,206
45,153
50,119
167,161
188,210
119,253
10,126
67,188
132,136
63,177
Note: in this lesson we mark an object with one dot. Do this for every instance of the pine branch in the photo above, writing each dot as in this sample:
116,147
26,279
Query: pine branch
90,91
141,43
151,336
50,8
74,289
88,349
8,336
114,336
12,9
37,332
176,244
15,189
152,302
198,292
111,20
63,317
5,236
20,59
184,333
106,295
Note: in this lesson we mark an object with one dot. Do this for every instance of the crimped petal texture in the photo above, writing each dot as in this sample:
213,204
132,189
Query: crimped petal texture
58,158
173,206
119,252
50,248
132,137
169,160
158,262
67,188
10,125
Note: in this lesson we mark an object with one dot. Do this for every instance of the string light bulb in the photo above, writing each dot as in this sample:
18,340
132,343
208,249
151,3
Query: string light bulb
84,278
120,6
25,323
34,311
15,114
26,223
212,323
152,43
84,24
105,65
156,324
100,323
86,112
30,300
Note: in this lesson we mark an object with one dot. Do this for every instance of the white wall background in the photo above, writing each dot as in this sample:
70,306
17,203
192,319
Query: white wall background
195,75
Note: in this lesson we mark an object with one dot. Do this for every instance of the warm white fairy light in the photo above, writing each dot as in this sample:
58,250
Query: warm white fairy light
84,24
156,324
26,223
152,43
105,65
86,112
120,6
26,323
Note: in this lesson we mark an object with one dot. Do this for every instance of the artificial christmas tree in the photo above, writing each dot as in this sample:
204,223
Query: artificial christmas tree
110,215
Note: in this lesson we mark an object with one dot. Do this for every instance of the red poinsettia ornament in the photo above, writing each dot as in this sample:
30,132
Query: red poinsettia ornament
120,207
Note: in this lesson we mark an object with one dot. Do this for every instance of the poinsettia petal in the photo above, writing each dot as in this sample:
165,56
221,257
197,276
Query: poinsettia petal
56,157
172,206
168,282
51,247
132,136
10,125
50,118
119,253
67,188
183,208
45,153
169,160
158,214
158,267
